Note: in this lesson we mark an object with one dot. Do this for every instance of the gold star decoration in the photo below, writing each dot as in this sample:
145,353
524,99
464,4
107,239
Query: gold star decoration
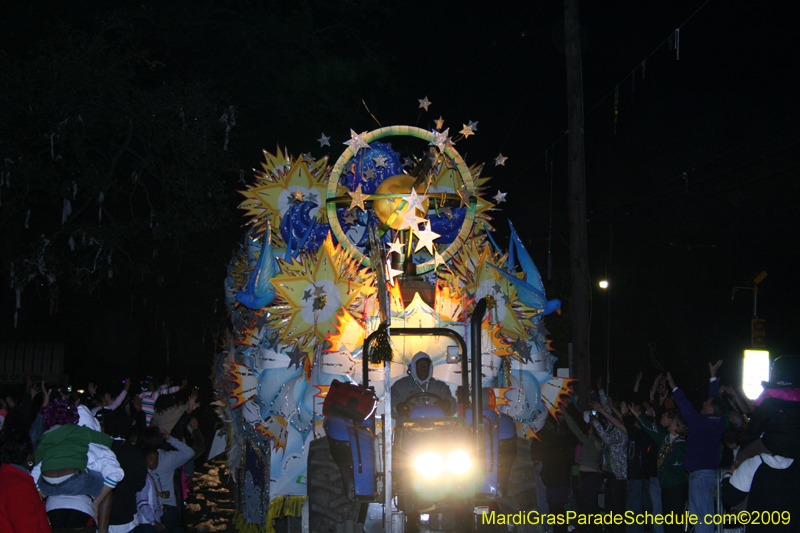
439,122
425,238
298,196
358,198
466,131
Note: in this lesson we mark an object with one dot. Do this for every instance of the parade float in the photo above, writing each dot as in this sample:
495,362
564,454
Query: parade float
304,293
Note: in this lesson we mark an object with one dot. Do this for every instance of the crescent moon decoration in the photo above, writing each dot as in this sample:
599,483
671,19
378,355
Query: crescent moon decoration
308,295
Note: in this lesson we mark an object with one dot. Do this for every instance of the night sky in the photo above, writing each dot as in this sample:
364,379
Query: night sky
692,191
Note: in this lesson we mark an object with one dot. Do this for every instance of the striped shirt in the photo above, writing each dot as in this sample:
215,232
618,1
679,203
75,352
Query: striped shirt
149,399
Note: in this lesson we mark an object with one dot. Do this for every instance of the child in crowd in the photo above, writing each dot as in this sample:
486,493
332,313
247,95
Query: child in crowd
150,500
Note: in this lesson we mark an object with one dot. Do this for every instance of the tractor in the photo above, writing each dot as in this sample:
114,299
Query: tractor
433,465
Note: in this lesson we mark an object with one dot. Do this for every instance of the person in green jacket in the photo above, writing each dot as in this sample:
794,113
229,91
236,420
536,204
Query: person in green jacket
62,455
670,436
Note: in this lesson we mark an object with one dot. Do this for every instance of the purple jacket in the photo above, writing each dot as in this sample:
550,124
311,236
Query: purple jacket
705,432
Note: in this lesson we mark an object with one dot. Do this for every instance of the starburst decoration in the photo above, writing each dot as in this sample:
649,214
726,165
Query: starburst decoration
276,190
314,288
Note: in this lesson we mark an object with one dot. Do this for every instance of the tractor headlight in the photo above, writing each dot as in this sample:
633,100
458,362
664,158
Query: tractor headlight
458,462
429,464
432,464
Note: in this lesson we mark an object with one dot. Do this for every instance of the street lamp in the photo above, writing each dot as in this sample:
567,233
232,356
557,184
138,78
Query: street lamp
604,285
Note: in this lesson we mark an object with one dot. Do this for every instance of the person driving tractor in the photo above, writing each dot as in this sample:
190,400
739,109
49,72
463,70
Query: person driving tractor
420,380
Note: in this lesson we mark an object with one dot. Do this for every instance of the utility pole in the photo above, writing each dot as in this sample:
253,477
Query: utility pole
576,175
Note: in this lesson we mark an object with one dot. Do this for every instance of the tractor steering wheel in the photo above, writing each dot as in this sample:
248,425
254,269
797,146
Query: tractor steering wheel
409,402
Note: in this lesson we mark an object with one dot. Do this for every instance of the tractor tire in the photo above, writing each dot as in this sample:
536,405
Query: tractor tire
521,492
329,509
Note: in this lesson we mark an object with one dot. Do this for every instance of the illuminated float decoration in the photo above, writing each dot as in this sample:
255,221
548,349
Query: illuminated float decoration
302,297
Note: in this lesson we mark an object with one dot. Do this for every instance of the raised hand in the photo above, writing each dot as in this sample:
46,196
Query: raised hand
712,369
670,381
35,389
46,395
92,388
137,402
127,382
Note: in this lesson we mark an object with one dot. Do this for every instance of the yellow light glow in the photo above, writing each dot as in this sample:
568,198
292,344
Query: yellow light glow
429,464
604,284
756,370
459,462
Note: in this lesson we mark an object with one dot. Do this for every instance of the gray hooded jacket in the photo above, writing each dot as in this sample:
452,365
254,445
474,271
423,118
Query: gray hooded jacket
411,384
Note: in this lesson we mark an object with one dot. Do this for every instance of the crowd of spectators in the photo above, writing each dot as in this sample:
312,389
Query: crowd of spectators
109,459
658,453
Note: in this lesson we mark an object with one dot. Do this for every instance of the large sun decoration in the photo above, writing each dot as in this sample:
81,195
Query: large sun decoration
284,182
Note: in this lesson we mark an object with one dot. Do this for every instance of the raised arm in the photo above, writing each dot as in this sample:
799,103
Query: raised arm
691,416
611,418
713,384
573,426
